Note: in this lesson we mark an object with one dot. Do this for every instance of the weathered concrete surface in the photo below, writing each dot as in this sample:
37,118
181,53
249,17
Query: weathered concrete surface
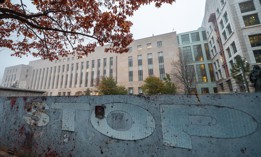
133,126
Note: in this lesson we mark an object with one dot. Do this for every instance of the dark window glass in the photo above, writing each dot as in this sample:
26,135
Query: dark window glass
185,38
250,20
187,53
257,54
246,6
130,76
195,37
204,35
207,51
211,72
255,40
140,75
233,45
198,53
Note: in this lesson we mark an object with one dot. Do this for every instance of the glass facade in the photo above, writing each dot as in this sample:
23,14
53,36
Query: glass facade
185,39
198,53
187,54
201,73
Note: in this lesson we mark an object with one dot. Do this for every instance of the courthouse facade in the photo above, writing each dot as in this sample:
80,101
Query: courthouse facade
150,56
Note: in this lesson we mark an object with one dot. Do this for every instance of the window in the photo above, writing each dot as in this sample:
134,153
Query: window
198,53
201,72
86,79
195,37
224,35
150,64
187,53
104,62
139,60
130,76
214,51
222,2
149,45
246,6
229,30
257,54
228,52
81,65
93,63
159,43
233,45
255,40
231,63
139,47
130,49
204,35
204,90
81,77
130,90
225,17
211,72
99,63
150,61
161,65
87,64
111,61
75,79
140,75
218,12
140,71
140,90
221,24
250,20
185,39
207,51
130,64
130,61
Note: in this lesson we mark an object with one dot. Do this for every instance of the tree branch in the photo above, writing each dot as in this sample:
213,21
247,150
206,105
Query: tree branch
23,19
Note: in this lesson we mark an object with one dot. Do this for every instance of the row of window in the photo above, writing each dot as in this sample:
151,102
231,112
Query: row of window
197,54
192,37
250,19
148,46
150,66
232,49
255,42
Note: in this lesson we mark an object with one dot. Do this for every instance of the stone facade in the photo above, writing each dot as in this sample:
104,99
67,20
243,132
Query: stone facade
148,56
229,29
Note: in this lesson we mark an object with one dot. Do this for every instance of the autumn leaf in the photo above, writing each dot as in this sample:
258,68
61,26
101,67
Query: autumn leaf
63,27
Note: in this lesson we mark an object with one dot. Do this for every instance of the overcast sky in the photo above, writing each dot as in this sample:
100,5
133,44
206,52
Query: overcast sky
182,16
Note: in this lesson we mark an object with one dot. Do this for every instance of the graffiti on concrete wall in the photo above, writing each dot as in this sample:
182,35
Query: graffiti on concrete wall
130,122
114,124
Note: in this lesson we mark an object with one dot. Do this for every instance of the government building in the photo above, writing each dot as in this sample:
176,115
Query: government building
150,56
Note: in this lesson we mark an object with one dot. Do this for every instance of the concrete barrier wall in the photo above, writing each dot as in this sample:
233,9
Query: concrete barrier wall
132,126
